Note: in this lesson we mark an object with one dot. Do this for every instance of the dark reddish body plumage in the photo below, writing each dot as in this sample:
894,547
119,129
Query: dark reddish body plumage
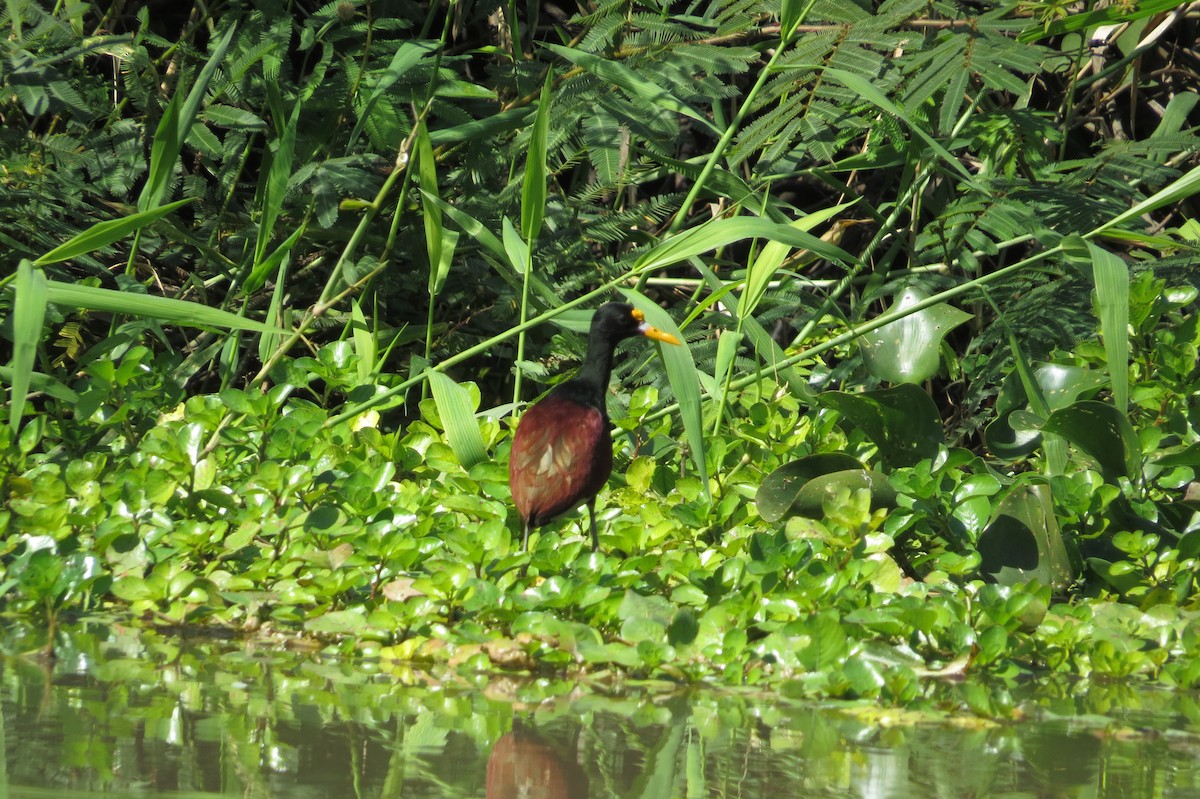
562,451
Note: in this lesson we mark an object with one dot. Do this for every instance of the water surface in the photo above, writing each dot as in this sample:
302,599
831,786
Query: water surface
122,713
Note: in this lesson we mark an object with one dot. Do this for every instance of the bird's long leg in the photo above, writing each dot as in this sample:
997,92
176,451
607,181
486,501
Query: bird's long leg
591,505
525,537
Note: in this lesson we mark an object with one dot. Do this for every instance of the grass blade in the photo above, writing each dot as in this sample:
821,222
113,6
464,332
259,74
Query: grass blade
179,312
458,419
173,127
1111,276
681,371
533,192
105,233
29,311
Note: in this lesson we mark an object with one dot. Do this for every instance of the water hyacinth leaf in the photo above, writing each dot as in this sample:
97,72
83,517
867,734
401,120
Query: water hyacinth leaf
1015,433
811,498
684,627
903,422
778,491
908,350
1023,541
1103,433
458,419
1008,441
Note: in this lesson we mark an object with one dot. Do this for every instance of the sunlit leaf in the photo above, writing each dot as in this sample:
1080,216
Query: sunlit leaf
908,350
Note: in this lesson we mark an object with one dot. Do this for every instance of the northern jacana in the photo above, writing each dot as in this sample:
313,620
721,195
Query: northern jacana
562,452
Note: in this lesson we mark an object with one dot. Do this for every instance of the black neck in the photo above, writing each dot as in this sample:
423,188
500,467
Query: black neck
596,370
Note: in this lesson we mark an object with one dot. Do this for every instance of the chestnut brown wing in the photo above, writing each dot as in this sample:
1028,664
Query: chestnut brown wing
561,457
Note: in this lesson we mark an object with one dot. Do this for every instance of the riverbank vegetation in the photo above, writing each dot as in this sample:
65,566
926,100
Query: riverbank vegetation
282,274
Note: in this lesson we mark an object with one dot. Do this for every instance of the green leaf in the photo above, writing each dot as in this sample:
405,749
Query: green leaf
30,296
811,497
1180,190
908,349
533,190
637,86
176,121
280,159
1023,541
777,494
105,233
1111,277
870,93
1104,433
179,312
682,372
903,422
772,255
717,233
1104,15
458,419
407,56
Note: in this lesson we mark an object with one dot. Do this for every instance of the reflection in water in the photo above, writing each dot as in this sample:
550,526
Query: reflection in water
523,767
148,716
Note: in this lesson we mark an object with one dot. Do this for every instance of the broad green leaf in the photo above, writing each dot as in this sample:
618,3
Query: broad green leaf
1023,541
802,487
766,347
431,211
273,183
43,383
458,419
908,350
478,130
28,313
1102,432
903,422
791,14
1013,433
515,247
365,347
273,263
105,233
617,73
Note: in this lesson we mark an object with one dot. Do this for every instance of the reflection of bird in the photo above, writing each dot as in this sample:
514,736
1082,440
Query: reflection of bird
522,767
562,452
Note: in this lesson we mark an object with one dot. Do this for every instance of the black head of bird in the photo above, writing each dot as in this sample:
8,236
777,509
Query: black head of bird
562,451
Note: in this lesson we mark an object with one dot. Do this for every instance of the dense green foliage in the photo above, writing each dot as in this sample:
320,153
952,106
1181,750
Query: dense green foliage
276,263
